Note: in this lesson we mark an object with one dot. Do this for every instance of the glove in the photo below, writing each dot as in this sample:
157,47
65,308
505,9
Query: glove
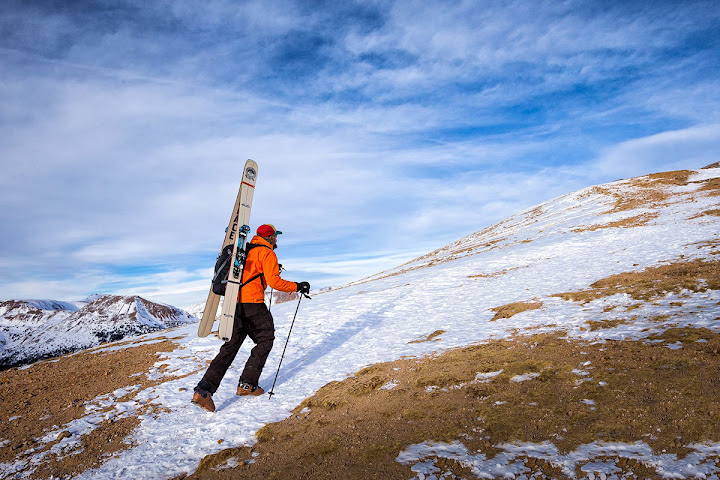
303,287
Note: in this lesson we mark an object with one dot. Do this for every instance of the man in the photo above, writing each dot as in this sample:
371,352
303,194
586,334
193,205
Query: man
252,318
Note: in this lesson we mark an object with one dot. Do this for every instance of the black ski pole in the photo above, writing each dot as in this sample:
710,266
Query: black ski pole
271,393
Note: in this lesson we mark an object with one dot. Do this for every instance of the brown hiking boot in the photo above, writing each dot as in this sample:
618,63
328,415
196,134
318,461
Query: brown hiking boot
247,389
204,400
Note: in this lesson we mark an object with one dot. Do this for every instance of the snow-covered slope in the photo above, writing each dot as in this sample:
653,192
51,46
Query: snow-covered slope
35,329
604,212
449,295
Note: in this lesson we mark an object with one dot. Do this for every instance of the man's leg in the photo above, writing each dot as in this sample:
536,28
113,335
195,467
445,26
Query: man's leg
222,361
261,329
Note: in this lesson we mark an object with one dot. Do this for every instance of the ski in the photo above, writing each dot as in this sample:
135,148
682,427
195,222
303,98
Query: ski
235,234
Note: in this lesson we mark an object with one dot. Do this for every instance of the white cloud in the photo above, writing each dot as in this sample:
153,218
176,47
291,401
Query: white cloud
689,148
122,144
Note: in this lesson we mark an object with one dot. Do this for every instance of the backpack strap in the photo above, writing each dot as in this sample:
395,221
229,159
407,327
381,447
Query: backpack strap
259,275
250,246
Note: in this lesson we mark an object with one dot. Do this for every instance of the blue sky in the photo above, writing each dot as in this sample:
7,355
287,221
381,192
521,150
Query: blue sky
382,129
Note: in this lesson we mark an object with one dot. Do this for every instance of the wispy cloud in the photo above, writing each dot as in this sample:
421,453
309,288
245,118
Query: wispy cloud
382,129
672,150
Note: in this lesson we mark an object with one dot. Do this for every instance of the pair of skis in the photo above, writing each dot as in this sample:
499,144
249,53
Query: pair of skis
236,234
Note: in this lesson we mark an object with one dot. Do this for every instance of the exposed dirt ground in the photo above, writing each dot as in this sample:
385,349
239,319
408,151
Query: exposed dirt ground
640,392
507,311
576,393
694,276
37,400
651,192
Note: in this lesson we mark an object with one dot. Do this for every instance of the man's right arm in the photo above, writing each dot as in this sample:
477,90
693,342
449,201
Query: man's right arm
271,271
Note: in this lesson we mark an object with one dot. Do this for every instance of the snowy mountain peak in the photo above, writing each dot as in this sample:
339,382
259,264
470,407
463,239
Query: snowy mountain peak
35,329
111,317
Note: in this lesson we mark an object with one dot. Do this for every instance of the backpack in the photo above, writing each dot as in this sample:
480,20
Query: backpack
222,268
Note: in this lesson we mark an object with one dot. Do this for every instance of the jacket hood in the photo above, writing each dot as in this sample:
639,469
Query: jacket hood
258,240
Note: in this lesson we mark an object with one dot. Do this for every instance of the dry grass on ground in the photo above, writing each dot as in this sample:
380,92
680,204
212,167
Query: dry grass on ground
710,213
577,393
650,192
712,186
37,400
511,309
500,273
433,337
694,276
631,222
354,429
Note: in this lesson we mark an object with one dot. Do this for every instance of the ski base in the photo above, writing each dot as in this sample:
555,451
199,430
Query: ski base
208,318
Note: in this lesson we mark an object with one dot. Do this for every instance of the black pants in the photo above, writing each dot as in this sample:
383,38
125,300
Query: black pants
251,320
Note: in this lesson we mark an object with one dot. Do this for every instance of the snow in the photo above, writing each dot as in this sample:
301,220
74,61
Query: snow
55,305
389,386
525,377
697,464
528,257
704,174
486,377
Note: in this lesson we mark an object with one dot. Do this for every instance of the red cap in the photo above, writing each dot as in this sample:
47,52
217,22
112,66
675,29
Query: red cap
267,230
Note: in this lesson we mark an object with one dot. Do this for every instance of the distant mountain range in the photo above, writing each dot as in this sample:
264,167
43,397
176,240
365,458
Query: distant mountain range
31,330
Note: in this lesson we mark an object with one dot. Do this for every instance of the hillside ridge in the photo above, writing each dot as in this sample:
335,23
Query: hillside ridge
511,351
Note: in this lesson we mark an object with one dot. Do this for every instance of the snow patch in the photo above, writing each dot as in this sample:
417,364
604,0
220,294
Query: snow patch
591,458
524,377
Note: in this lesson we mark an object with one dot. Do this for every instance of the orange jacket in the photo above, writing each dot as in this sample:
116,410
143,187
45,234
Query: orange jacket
264,261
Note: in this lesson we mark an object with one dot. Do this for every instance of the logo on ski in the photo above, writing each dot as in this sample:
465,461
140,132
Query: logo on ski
234,228
251,174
